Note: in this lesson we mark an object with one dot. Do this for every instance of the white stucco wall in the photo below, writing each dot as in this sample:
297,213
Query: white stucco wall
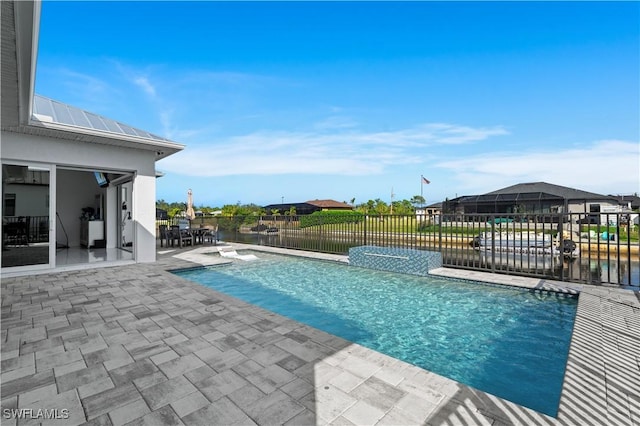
66,153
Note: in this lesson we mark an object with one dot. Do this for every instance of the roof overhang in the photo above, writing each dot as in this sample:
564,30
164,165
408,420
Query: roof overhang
73,133
20,31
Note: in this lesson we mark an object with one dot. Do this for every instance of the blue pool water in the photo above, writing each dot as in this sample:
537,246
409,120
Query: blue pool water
510,343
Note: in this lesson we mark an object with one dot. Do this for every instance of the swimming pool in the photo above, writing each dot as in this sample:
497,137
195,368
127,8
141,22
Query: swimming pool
508,342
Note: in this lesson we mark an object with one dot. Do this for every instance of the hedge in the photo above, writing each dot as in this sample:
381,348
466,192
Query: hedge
330,217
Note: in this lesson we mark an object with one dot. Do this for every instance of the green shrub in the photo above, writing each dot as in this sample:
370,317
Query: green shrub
330,217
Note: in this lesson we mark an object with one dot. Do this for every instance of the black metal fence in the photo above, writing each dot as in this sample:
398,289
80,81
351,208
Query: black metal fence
24,230
576,247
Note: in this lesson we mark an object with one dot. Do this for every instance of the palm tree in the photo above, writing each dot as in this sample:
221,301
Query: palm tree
417,200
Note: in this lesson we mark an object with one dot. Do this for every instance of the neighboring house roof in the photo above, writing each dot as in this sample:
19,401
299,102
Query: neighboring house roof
534,191
549,188
626,199
329,204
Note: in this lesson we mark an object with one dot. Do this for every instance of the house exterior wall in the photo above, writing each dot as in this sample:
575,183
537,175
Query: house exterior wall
68,153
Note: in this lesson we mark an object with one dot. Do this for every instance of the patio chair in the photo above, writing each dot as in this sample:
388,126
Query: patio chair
211,235
183,236
165,235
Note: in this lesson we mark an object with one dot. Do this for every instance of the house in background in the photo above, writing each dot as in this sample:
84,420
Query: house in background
535,197
429,214
308,207
77,188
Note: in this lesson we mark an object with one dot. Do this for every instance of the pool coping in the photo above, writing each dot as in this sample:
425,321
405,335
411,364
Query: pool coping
180,344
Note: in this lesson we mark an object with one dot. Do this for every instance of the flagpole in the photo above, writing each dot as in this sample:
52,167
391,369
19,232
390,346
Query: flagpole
421,187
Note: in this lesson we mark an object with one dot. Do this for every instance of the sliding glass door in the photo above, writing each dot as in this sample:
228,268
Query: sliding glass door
26,215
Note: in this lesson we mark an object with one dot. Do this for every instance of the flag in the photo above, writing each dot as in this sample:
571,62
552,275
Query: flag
425,180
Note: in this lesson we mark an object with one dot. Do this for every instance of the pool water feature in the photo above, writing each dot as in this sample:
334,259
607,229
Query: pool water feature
508,342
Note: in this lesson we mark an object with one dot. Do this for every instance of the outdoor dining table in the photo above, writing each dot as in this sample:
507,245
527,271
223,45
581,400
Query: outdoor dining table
199,234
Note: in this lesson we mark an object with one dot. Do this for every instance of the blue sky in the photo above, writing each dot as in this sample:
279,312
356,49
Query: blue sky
343,100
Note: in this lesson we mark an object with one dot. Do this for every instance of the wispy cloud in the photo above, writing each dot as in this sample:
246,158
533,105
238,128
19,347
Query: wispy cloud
596,167
336,122
338,153
145,84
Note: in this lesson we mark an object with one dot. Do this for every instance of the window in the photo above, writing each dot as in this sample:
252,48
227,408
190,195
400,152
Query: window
9,208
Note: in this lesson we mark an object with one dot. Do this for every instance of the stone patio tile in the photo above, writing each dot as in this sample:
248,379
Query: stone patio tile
269,337
66,400
68,368
81,377
190,403
163,416
225,360
200,373
86,344
190,345
378,393
270,378
291,363
269,355
150,380
220,412
330,402
164,357
143,349
362,413
213,336
359,366
129,412
297,388
48,362
27,399
275,408
95,387
161,333
41,345
27,335
68,332
396,417
415,408
389,375
106,401
305,417
27,383
174,340
168,391
122,337
133,371
301,350
346,381
247,368
180,365
102,420
27,370
227,382
246,396
230,342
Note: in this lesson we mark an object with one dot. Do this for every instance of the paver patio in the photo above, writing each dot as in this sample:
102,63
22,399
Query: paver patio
138,345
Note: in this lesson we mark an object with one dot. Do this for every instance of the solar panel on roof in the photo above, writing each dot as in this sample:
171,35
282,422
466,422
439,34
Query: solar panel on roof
71,116
79,118
61,113
96,122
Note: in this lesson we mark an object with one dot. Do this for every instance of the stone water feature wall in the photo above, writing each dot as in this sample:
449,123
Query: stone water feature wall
404,261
